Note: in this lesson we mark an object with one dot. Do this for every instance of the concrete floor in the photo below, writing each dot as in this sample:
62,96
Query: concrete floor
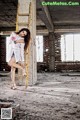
56,96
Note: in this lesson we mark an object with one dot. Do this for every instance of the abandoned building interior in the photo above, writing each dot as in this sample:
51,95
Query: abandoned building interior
51,89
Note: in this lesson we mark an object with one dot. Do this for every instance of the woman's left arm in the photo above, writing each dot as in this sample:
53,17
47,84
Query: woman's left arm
19,41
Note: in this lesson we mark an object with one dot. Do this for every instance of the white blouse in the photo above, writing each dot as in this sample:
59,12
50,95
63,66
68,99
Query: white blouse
17,49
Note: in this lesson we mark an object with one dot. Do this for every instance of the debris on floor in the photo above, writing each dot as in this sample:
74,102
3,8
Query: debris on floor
53,97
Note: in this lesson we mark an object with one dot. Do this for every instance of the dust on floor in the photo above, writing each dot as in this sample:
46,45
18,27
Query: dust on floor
53,97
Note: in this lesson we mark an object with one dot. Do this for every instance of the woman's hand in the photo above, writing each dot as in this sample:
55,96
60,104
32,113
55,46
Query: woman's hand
15,41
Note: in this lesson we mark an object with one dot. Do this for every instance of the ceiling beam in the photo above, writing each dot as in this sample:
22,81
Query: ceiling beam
39,22
67,26
44,15
67,30
42,32
67,21
7,28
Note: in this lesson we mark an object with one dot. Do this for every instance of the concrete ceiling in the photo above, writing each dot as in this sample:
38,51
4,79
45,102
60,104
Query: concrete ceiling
49,18
63,18
8,10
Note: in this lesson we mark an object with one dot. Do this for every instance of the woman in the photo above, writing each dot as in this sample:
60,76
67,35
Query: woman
18,43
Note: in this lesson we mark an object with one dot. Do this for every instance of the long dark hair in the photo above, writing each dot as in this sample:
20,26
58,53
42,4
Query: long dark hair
26,37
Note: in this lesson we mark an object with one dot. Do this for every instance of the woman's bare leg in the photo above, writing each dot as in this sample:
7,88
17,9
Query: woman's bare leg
13,77
24,68
12,61
13,64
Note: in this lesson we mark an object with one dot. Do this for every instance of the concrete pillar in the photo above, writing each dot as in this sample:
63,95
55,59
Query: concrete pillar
27,18
52,51
23,14
33,60
46,51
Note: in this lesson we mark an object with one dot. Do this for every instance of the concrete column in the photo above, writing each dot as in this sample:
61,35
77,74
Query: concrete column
23,13
52,51
33,60
27,19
